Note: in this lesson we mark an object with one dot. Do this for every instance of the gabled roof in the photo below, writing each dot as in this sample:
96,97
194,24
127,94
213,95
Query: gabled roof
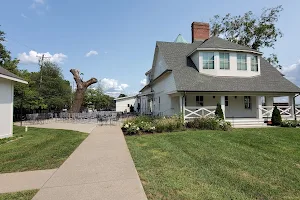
10,76
216,43
180,39
187,78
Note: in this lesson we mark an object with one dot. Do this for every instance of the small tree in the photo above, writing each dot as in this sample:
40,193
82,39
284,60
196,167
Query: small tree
276,117
219,112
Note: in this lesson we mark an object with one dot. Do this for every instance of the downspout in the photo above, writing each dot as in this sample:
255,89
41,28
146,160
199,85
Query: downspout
294,106
183,106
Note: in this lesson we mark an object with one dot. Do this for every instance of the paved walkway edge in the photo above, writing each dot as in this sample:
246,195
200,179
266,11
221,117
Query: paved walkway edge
29,180
100,168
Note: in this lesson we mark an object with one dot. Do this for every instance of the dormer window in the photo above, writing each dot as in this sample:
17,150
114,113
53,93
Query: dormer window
254,63
241,61
224,61
208,60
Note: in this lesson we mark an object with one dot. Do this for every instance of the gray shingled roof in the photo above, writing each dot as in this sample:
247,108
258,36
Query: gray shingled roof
219,43
187,78
8,73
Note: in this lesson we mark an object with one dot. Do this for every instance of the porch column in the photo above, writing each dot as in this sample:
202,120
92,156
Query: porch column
182,105
291,103
259,107
223,104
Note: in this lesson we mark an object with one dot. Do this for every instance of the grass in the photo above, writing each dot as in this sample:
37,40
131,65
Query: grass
23,195
241,164
38,149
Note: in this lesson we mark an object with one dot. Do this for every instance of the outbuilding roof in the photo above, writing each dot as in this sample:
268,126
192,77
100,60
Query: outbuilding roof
8,75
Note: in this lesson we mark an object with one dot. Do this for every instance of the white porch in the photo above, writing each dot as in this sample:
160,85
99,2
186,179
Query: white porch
236,107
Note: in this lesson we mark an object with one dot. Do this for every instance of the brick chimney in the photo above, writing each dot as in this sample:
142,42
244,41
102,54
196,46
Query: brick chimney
200,31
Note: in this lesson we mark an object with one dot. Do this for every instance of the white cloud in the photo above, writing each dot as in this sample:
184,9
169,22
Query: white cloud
143,82
33,57
112,87
40,6
24,16
292,72
90,53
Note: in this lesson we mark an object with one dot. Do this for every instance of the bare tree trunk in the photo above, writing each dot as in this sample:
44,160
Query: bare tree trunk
80,90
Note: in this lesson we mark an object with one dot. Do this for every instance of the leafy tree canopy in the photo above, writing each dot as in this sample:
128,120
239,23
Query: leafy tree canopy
253,31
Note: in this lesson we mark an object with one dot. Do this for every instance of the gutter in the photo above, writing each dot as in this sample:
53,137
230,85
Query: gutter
222,49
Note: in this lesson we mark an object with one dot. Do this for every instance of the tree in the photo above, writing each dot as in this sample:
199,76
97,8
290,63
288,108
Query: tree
122,95
250,30
80,90
54,89
219,112
97,99
276,117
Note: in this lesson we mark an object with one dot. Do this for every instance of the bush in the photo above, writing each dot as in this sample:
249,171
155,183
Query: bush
276,117
168,124
207,123
219,112
289,123
148,124
203,123
225,126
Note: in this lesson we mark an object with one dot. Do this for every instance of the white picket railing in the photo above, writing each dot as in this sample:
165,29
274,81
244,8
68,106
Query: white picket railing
297,111
196,112
285,111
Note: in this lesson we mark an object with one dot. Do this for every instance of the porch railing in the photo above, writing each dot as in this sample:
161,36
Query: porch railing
297,111
196,112
285,111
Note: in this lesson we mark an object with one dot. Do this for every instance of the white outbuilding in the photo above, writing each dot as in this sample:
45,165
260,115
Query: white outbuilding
7,81
123,104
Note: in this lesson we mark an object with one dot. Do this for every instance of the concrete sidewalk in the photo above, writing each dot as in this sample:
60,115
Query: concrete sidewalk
100,168
85,128
14,182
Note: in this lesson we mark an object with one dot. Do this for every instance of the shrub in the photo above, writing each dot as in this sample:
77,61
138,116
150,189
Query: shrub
276,117
219,112
206,123
147,127
289,123
168,124
225,126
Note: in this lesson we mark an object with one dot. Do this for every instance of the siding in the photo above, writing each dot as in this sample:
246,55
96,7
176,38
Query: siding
6,108
122,104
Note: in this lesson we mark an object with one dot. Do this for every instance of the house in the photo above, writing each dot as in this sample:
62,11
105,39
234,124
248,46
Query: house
191,78
7,81
123,104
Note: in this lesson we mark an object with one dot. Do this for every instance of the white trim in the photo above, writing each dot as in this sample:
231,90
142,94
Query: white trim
221,49
12,79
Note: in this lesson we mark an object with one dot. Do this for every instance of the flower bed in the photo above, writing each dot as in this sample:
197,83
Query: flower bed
145,124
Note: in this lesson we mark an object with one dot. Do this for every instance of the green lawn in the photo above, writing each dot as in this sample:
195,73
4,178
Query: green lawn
241,164
23,195
38,149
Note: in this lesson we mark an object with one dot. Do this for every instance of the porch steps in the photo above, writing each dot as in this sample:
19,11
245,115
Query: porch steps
247,122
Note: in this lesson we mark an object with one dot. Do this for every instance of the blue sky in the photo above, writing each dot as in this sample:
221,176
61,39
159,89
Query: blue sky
122,34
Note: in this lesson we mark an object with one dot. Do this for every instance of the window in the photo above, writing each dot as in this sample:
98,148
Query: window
224,61
247,101
241,61
208,60
226,100
254,63
199,100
